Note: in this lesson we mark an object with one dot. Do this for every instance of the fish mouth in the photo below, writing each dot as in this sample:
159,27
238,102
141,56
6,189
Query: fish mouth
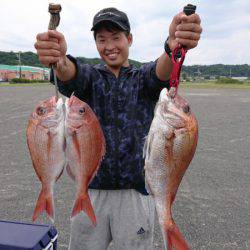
49,124
175,122
52,120
56,116
73,121
168,113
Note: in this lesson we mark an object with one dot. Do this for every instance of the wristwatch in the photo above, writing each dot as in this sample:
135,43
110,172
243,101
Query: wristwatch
167,49
169,52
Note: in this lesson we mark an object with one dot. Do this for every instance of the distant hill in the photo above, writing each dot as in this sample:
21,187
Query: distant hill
218,70
27,58
31,59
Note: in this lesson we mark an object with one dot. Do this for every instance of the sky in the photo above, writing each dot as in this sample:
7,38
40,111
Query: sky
225,38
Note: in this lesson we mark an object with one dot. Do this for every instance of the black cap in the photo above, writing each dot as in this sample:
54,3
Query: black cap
112,15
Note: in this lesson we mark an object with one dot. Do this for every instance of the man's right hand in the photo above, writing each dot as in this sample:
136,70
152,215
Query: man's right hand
51,47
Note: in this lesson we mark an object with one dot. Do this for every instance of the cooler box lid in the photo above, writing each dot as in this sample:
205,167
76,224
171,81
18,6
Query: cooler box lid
25,236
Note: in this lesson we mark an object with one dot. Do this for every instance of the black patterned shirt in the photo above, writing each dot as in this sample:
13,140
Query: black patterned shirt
124,106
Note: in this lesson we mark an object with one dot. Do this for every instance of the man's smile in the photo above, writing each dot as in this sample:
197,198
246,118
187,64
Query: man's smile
112,55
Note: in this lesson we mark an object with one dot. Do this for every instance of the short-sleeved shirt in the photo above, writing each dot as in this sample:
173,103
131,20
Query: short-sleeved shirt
124,106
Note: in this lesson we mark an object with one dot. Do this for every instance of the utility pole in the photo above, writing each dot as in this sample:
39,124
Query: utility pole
19,62
43,74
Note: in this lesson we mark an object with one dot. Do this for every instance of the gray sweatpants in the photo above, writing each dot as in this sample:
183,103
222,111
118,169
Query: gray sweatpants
125,217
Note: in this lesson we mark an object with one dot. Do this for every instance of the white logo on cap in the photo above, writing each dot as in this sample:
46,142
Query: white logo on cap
108,13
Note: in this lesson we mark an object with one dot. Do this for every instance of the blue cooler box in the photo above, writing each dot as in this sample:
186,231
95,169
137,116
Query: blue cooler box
24,236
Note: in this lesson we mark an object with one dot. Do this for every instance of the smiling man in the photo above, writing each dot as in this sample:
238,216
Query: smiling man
123,98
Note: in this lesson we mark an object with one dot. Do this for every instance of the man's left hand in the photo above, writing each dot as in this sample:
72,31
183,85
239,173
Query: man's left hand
184,30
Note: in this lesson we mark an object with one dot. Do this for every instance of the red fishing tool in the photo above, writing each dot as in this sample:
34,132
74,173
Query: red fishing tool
178,57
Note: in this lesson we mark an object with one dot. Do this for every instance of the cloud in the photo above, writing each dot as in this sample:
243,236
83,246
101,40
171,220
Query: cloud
224,38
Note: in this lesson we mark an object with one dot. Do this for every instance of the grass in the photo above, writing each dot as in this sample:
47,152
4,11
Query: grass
214,85
24,84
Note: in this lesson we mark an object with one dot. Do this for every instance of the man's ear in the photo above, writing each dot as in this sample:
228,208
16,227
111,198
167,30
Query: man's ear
130,39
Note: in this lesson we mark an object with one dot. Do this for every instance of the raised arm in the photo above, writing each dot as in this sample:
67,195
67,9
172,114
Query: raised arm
184,30
51,48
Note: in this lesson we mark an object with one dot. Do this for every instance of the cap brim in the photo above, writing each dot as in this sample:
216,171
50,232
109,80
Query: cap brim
108,20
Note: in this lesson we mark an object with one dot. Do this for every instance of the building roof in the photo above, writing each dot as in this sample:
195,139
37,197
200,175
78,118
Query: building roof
23,68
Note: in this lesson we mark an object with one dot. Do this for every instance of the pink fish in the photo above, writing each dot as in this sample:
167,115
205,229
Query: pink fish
45,139
85,148
169,149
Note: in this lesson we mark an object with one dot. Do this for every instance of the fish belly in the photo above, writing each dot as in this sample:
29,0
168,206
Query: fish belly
156,171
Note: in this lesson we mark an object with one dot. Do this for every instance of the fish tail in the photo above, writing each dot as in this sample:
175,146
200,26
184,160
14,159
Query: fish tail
83,203
44,203
175,240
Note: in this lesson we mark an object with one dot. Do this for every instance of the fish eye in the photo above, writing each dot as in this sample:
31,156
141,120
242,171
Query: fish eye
81,111
41,111
186,109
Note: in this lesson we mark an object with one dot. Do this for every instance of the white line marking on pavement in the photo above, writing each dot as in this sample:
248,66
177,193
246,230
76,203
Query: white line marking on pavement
25,114
203,94
245,100
11,134
239,139
16,132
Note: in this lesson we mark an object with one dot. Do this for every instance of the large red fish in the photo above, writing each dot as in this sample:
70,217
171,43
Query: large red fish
45,139
169,149
85,148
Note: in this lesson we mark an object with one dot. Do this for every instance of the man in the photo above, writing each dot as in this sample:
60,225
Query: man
123,98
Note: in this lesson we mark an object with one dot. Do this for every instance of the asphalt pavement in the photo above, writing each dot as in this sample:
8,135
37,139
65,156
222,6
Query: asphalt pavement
212,207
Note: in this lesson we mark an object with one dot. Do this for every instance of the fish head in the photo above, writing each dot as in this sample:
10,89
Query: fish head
78,113
48,112
175,111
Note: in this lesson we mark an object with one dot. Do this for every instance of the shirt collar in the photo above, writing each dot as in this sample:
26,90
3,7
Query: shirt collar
103,67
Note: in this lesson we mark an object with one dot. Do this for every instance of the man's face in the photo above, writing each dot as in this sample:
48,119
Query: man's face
113,47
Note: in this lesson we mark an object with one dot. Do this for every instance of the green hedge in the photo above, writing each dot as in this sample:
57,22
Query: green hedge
228,80
23,80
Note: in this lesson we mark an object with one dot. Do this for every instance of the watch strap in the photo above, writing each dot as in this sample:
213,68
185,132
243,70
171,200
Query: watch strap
167,49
